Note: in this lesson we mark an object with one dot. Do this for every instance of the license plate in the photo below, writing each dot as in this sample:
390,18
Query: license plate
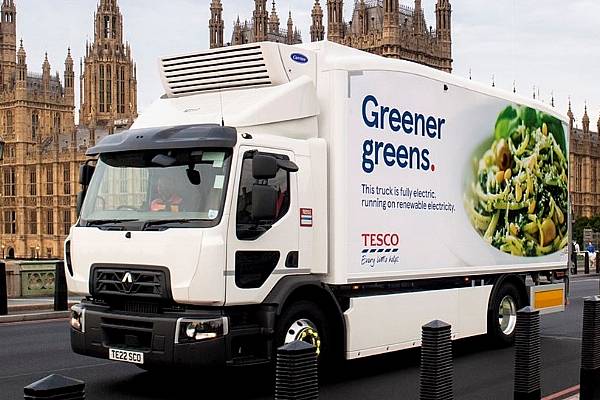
125,355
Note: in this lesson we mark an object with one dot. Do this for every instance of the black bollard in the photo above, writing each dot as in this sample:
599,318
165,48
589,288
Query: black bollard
3,290
528,362
55,387
586,265
437,372
296,372
590,350
61,297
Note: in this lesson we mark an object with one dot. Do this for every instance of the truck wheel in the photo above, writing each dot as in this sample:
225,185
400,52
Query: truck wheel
304,321
502,315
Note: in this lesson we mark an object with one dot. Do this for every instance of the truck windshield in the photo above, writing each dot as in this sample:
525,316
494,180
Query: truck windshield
152,189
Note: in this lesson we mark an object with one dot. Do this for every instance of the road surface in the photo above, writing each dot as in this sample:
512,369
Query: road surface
30,351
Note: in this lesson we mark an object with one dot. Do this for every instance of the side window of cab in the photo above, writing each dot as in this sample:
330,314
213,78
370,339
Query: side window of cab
263,198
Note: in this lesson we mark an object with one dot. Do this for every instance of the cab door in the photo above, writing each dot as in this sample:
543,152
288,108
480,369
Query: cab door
261,251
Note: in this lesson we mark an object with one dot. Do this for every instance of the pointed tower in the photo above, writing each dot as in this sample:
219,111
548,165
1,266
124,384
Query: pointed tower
216,24
571,117
443,15
290,29
260,20
237,33
46,74
391,27
69,79
317,30
419,19
109,79
586,120
21,65
598,126
274,20
8,44
335,20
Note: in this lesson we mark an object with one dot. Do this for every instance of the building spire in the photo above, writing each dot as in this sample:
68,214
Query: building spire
317,30
274,20
586,119
335,20
216,25
290,29
260,20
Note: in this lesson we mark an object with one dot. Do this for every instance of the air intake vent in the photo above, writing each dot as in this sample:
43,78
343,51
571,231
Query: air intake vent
223,69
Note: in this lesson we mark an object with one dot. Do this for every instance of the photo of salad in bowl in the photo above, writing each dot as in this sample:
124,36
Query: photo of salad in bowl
517,195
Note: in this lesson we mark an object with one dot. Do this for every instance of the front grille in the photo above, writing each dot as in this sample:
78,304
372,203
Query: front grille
139,283
136,307
136,335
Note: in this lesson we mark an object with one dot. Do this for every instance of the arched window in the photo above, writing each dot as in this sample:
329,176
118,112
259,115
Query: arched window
56,126
35,125
8,128
107,29
101,87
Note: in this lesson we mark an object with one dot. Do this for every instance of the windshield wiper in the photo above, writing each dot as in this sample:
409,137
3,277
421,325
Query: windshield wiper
159,222
98,222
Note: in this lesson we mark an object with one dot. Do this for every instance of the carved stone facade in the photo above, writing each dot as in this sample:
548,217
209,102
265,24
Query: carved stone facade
261,28
109,80
383,27
584,161
389,29
44,148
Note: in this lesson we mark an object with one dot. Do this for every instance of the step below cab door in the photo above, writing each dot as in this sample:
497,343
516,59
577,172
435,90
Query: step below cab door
263,228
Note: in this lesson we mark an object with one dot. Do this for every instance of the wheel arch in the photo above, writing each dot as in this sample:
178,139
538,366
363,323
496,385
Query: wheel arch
298,287
516,280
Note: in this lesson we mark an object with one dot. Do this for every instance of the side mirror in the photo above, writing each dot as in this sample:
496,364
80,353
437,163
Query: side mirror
80,198
264,203
86,171
1,150
264,167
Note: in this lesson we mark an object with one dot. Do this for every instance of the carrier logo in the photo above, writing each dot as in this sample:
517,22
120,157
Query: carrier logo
299,58
380,242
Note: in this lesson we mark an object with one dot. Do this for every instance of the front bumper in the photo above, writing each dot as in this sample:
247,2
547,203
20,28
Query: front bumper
152,334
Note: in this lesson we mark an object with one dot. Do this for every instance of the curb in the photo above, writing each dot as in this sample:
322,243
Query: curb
23,308
570,393
34,316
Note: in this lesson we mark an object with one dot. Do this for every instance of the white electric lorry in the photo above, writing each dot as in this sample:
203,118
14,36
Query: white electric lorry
277,193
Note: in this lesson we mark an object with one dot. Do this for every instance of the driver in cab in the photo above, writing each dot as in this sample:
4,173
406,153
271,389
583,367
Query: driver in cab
166,197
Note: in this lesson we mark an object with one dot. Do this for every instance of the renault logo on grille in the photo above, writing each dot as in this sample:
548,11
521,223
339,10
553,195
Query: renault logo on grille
127,278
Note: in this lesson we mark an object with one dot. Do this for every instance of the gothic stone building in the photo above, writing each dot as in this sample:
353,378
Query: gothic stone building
108,82
383,27
585,167
44,148
262,27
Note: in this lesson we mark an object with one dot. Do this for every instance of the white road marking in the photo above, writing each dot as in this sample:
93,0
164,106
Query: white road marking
55,370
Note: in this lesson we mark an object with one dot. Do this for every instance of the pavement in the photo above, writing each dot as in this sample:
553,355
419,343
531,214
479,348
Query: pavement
34,309
33,350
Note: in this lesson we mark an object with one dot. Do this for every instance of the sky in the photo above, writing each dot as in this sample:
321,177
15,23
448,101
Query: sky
550,44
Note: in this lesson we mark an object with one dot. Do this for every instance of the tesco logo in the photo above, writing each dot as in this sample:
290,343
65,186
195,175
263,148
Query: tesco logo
380,239
299,58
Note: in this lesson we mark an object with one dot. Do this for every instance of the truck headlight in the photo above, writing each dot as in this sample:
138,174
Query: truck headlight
193,330
78,318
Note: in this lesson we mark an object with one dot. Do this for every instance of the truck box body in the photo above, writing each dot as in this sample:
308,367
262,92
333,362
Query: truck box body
418,195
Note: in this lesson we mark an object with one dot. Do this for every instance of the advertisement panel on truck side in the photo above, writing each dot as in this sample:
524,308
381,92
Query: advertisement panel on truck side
442,177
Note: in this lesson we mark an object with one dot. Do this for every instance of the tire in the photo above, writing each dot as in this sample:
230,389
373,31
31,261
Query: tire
502,321
300,321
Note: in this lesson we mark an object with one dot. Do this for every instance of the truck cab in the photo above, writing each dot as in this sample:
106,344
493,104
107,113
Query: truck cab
188,231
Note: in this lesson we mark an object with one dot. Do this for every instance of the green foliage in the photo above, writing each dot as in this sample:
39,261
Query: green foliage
511,118
585,223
